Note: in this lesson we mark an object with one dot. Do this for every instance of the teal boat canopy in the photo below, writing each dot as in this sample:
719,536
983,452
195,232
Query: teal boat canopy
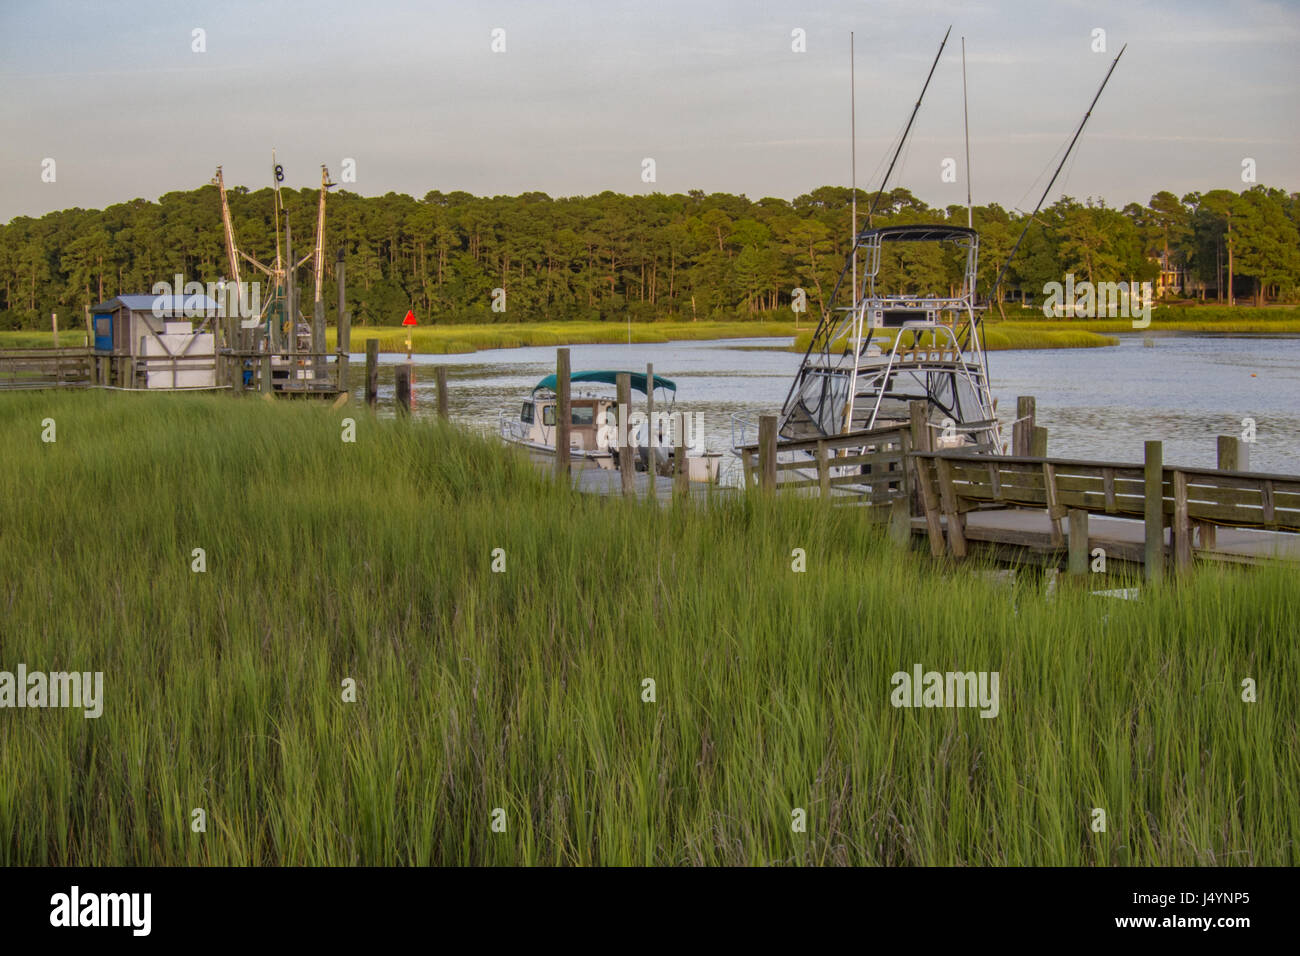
606,377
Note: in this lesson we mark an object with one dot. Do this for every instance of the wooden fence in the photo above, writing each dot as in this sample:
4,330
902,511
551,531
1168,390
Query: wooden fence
46,368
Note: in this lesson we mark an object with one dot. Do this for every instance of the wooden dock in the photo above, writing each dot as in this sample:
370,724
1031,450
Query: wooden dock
322,375
1061,512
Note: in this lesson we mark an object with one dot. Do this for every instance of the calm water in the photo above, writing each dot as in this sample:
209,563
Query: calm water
1097,403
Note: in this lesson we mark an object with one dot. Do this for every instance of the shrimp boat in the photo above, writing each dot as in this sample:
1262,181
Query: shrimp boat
593,426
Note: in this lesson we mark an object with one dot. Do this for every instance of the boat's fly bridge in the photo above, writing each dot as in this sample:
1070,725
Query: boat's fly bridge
893,345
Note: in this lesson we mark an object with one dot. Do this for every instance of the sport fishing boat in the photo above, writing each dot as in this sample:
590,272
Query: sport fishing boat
593,426
893,344
869,360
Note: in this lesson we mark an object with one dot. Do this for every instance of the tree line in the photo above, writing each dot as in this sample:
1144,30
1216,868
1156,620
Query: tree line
643,257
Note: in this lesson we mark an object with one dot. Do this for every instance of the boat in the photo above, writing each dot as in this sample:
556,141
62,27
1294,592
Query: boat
893,345
869,360
594,430
890,345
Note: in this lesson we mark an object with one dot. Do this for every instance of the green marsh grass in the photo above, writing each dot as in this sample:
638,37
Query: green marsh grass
1226,320
440,339
522,690
1001,338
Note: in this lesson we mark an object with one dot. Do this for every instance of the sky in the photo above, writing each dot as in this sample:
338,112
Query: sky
119,96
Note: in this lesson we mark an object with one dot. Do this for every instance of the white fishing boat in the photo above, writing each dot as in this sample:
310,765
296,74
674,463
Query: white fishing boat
594,430
868,361
883,344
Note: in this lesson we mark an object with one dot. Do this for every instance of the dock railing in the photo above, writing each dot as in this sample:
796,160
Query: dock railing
287,372
1182,509
865,468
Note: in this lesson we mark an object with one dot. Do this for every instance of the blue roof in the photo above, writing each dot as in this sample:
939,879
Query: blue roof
162,304
608,378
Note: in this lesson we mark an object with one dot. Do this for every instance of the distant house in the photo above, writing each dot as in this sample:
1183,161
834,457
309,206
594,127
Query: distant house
163,339
1173,277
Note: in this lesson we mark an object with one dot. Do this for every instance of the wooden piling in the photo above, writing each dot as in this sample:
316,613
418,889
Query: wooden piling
1038,442
1154,512
823,471
921,441
767,453
951,513
266,373
900,522
1181,527
681,470
403,376
1078,560
344,318
1233,454
319,364
1023,430
563,413
372,372
652,441
930,505
440,376
626,456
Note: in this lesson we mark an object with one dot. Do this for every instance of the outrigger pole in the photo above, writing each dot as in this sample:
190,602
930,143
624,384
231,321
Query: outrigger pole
965,120
902,142
826,314
1030,220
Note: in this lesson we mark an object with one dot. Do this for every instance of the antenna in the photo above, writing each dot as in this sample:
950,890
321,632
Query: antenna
1028,222
853,153
965,118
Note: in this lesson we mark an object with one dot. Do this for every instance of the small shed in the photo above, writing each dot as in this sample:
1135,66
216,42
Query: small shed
165,337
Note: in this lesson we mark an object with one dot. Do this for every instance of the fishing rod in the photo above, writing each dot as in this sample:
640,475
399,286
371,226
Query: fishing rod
902,142
1030,220
827,314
